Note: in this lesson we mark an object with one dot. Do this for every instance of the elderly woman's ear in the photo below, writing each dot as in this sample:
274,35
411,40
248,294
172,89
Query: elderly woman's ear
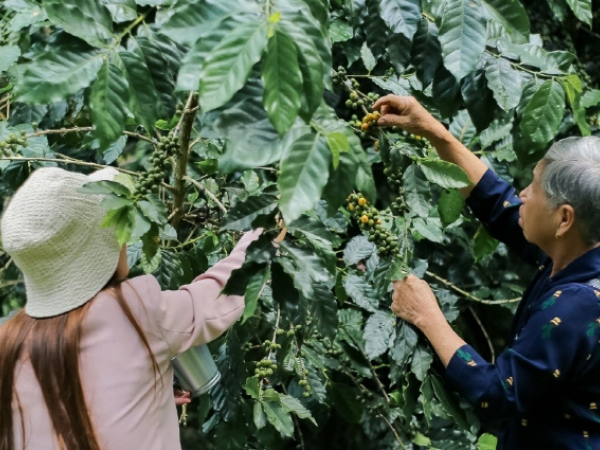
566,221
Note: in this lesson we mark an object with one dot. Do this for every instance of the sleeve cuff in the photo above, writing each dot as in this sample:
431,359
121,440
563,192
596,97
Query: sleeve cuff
462,371
484,186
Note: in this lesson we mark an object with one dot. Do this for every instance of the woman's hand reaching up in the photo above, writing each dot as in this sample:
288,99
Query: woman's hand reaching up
408,114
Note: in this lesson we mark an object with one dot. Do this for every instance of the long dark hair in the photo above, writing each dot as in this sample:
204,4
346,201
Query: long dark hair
53,347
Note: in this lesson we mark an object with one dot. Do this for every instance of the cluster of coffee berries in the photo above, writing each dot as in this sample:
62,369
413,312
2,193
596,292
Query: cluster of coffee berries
264,368
354,101
270,346
370,121
149,182
368,218
289,333
376,146
394,178
10,146
339,77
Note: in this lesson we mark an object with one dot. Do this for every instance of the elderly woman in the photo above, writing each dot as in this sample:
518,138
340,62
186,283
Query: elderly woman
545,388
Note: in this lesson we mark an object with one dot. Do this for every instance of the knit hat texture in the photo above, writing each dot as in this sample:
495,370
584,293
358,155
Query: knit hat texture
52,233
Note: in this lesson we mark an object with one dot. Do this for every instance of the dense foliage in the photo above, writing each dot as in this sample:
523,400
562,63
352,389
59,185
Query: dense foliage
227,115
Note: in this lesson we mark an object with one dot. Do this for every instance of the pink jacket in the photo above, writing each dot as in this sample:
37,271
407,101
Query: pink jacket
117,374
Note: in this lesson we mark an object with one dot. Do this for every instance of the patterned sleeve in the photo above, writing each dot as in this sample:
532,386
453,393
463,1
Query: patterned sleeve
496,205
559,339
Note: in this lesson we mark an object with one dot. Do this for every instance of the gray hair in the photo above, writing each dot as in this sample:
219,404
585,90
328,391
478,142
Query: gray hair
571,175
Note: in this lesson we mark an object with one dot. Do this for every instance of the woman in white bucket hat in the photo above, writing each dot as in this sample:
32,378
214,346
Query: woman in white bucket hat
87,364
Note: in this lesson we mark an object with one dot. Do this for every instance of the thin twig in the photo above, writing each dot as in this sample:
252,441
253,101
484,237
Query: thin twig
75,162
471,296
485,334
10,283
393,431
63,131
207,192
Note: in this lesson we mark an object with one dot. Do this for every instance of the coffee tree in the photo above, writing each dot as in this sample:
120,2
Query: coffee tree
229,115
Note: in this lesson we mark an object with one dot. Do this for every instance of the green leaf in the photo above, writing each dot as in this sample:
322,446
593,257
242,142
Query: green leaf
483,244
88,20
404,344
450,206
190,19
311,61
429,228
121,10
341,180
254,289
306,269
142,92
323,309
426,51
228,66
590,98
112,201
358,249
377,333
293,405
445,174
57,73
104,187
402,16
338,143
162,57
304,173
154,209
450,402
283,82
421,361
543,115
479,100
258,415
108,100
252,140
241,216
9,54
367,57
416,190
346,402
462,36
512,15
361,292
504,81
365,182
315,231
487,442
252,387
582,10
340,30
123,220
112,153
278,417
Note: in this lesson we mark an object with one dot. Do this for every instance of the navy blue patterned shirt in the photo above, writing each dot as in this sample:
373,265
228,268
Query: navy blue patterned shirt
544,388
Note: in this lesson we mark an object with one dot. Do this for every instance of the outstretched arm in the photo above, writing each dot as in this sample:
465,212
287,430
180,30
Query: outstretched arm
408,114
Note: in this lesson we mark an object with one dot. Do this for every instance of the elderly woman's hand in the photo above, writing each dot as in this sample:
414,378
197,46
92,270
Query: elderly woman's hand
414,301
408,114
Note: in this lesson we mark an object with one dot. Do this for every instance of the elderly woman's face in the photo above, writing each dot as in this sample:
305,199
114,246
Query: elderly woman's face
539,223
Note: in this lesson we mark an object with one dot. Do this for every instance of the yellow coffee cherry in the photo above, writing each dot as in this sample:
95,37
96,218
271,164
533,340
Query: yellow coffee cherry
364,219
362,201
351,207
378,222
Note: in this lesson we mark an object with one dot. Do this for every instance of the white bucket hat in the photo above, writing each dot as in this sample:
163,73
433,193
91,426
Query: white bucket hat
52,233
